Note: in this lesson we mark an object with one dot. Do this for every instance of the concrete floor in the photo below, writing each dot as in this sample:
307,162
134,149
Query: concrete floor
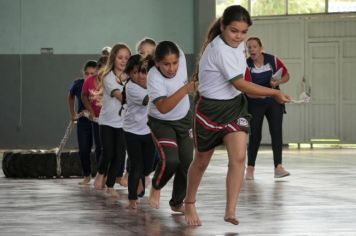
319,198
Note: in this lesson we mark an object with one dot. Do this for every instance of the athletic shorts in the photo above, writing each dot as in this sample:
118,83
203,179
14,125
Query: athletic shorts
215,118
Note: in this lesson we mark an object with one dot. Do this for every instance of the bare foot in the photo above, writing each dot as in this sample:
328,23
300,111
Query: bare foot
111,192
191,215
153,199
124,179
231,220
180,208
140,187
132,205
118,180
98,182
104,181
85,180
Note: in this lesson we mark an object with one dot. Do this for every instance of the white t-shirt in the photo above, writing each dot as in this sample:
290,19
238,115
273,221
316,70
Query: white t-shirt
159,86
109,113
135,120
219,65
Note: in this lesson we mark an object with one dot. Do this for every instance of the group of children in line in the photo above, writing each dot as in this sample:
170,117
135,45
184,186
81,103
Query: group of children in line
140,103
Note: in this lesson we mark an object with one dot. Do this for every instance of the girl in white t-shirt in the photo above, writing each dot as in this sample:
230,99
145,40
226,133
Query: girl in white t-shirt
140,146
169,118
221,109
112,134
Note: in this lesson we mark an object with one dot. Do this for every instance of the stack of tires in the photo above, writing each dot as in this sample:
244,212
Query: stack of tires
43,164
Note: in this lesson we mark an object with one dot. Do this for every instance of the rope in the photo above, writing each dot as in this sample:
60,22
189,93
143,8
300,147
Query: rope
64,140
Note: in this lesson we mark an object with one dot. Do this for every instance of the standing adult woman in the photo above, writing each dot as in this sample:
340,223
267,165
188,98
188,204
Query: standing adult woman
169,118
261,68
221,109
112,134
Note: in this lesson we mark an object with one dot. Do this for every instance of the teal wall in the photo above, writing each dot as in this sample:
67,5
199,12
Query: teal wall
85,26
35,86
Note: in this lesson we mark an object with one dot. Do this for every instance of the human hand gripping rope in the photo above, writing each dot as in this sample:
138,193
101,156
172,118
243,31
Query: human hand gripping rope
67,133
304,97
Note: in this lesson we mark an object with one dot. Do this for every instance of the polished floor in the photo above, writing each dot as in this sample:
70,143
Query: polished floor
319,198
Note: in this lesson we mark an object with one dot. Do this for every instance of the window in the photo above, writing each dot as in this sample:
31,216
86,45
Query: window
306,6
342,5
288,7
268,7
222,4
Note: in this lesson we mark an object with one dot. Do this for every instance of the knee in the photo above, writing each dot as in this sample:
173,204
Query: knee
238,159
200,164
172,162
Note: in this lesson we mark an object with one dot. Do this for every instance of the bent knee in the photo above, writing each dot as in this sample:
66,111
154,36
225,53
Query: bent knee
201,165
237,159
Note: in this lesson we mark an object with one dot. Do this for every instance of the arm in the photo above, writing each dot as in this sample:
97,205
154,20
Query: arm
85,99
112,87
248,78
165,105
284,79
117,94
285,75
71,100
254,89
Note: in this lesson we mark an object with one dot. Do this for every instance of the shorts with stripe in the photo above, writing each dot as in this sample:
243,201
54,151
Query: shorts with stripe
174,142
215,118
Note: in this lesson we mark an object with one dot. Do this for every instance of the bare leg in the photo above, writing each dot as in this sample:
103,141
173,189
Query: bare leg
118,180
236,149
140,187
124,180
98,182
154,198
147,181
195,173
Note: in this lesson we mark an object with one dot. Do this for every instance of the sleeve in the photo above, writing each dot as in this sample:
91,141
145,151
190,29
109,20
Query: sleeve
155,86
135,93
230,66
279,64
111,85
182,64
73,89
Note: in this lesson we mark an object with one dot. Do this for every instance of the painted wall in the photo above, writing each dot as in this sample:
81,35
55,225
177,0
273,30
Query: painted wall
35,86
321,49
85,26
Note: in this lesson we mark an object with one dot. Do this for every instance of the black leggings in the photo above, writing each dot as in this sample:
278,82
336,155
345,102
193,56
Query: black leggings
114,152
141,153
174,142
274,114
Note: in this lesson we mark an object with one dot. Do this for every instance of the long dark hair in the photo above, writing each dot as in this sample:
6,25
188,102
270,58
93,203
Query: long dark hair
164,48
231,13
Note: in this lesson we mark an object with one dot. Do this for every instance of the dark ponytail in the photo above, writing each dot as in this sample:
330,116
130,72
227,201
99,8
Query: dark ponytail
165,48
231,13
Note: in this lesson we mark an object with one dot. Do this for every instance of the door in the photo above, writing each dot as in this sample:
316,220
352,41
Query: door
322,74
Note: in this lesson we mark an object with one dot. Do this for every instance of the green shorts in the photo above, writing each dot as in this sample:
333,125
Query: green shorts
215,118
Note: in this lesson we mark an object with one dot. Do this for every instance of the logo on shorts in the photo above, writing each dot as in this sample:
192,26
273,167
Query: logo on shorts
191,133
242,122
